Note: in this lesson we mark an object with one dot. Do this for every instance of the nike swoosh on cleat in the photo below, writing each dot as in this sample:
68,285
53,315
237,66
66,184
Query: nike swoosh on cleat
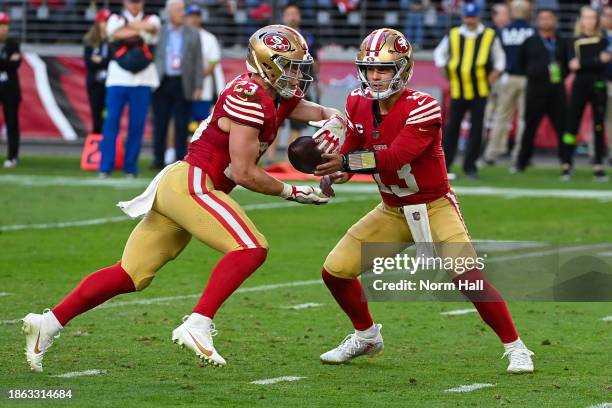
422,101
37,350
206,352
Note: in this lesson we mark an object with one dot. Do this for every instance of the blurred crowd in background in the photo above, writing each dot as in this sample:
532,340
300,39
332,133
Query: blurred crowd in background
503,60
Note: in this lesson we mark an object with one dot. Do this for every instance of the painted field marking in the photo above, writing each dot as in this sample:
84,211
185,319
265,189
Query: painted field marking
607,319
12,321
470,387
197,295
458,312
303,306
601,405
2,294
507,192
276,380
606,253
80,373
99,221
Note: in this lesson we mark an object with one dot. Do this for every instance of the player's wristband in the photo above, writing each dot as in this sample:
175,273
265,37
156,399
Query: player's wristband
287,191
359,161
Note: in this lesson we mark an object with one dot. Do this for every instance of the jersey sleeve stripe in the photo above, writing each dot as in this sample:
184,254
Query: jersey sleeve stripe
412,122
240,116
417,110
244,103
423,114
244,110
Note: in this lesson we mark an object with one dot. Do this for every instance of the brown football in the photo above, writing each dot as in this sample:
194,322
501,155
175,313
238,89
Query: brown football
304,155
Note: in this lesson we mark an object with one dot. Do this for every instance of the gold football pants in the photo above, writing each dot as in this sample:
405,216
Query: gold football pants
387,224
186,204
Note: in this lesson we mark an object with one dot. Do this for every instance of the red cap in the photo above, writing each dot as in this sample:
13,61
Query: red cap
4,18
103,15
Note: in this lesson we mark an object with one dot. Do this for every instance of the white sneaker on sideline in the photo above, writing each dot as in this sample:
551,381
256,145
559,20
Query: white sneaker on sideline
199,340
40,331
9,164
354,346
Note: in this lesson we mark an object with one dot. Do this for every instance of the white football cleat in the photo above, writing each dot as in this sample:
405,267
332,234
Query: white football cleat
520,359
40,331
199,340
355,346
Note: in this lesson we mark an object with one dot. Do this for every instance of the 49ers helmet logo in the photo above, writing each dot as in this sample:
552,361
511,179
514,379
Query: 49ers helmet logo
277,42
401,44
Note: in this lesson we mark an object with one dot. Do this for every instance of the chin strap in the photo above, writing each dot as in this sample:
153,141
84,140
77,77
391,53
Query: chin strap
359,161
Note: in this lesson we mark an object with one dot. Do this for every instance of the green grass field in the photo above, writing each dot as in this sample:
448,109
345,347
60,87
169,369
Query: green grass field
426,353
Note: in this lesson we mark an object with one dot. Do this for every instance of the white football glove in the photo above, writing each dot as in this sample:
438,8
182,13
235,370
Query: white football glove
304,194
329,134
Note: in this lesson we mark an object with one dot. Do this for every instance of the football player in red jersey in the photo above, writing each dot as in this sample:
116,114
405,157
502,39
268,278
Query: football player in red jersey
190,198
394,133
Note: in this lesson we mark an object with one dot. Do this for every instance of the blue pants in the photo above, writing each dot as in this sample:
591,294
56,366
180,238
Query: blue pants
138,98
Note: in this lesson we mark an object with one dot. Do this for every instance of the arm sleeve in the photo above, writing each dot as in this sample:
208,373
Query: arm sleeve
352,140
499,56
115,22
214,51
243,108
441,53
407,146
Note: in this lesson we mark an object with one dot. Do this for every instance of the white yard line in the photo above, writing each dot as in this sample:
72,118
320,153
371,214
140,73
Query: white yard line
457,312
606,253
80,373
261,288
100,221
66,224
302,306
607,319
2,294
45,181
11,321
601,405
276,380
470,387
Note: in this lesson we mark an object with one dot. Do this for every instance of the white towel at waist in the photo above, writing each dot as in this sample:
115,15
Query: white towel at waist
140,205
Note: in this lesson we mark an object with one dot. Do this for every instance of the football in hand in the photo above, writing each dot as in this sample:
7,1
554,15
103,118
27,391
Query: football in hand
304,154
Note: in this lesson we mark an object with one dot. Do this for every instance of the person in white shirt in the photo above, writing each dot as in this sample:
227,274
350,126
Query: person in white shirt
130,79
211,55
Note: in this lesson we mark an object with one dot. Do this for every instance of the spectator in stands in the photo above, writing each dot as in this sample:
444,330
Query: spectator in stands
211,56
97,57
472,57
10,91
589,60
131,77
606,23
414,20
179,65
500,15
543,59
511,86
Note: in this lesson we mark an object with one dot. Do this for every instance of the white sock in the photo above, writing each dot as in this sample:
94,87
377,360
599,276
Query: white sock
368,333
518,343
199,321
51,322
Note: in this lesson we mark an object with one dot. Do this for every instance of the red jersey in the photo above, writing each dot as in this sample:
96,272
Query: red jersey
407,144
245,102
